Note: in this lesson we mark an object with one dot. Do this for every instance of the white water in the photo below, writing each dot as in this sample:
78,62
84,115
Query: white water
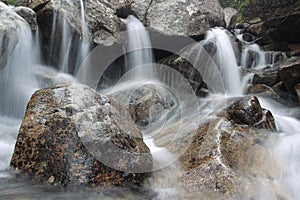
16,81
288,146
249,51
226,60
138,49
70,55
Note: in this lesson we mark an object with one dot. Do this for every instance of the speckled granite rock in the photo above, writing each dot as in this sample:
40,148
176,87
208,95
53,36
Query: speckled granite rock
72,135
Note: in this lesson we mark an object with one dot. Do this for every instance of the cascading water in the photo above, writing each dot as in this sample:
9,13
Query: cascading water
16,81
225,59
66,51
19,55
287,147
139,50
253,56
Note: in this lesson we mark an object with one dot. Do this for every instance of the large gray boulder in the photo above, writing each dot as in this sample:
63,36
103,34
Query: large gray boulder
72,135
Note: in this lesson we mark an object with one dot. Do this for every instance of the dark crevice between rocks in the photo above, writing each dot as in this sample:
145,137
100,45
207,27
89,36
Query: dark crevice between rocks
40,6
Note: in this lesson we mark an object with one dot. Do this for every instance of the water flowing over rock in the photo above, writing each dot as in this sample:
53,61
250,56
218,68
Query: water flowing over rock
297,88
179,18
19,53
29,15
71,135
227,152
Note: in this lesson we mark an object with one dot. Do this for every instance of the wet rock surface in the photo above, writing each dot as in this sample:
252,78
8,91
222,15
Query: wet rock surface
148,103
179,18
249,112
276,21
267,77
222,156
290,75
74,136
29,15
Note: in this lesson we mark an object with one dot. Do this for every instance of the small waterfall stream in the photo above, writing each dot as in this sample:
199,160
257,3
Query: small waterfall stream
138,50
226,60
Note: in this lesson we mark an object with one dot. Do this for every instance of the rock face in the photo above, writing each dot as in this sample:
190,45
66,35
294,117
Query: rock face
180,63
290,75
267,77
222,156
72,135
187,18
180,18
276,21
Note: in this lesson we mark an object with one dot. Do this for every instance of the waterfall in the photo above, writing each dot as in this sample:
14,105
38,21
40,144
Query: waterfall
66,50
253,56
19,55
225,59
138,50
287,148
19,59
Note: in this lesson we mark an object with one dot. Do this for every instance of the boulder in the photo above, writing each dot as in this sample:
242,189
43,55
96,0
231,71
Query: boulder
290,75
29,15
267,77
248,111
71,136
230,15
262,90
148,102
227,152
184,18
